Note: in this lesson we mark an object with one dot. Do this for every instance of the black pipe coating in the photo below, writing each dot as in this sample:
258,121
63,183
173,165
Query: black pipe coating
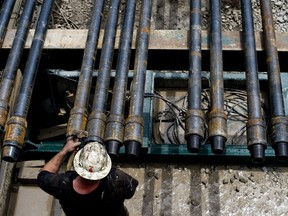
114,133
279,122
134,125
217,118
97,119
5,14
256,128
17,124
194,122
79,114
13,61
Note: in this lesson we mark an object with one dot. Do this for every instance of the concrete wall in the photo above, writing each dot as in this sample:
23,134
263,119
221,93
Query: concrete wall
181,189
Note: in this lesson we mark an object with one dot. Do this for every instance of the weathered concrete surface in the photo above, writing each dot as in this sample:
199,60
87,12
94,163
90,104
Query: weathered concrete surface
209,190
182,189
6,174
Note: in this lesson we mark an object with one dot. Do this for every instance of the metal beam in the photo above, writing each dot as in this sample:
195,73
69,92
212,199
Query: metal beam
159,40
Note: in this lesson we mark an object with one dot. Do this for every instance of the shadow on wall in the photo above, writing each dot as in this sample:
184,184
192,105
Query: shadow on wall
168,189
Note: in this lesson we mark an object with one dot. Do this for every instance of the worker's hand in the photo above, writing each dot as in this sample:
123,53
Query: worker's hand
71,145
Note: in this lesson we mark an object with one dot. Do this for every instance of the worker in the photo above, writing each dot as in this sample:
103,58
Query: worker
94,187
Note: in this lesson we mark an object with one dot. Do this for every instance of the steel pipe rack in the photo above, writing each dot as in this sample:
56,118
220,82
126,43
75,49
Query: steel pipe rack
160,152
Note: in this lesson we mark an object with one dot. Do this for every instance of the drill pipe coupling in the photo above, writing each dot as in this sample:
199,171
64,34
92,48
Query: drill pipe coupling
115,128
194,122
96,126
217,123
134,129
279,131
77,120
256,132
14,138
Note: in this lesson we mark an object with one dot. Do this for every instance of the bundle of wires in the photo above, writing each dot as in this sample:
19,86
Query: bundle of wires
169,123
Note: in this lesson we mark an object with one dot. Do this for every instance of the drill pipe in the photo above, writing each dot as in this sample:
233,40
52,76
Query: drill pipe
114,133
79,114
279,132
256,130
17,124
5,14
194,122
134,125
217,118
97,118
8,77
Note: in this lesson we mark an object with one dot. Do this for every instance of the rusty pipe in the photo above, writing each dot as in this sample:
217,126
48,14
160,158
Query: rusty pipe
256,129
13,61
194,121
134,125
114,133
5,14
217,118
279,132
97,119
17,124
78,115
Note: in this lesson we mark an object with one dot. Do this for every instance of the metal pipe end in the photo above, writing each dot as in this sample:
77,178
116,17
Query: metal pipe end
133,148
193,143
257,152
10,153
113,148
281,151
217,144
1,130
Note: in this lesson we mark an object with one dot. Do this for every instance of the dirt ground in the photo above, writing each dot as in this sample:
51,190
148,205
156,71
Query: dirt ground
171,14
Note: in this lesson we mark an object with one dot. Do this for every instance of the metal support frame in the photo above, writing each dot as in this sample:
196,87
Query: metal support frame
151,151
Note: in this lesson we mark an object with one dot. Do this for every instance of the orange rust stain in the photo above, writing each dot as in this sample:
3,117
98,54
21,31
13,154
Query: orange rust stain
195,53
269,27
145,30
269,59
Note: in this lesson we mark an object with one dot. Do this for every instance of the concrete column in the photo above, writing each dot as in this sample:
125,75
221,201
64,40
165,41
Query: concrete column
6,173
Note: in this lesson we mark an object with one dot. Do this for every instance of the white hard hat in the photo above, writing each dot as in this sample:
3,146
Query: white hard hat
92,161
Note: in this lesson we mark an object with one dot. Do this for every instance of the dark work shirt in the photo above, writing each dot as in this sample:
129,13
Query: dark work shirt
106,200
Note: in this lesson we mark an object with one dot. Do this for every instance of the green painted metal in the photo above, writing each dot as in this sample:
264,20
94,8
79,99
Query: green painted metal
232,153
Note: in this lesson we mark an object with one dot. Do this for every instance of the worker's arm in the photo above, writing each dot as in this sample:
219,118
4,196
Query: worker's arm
54,164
